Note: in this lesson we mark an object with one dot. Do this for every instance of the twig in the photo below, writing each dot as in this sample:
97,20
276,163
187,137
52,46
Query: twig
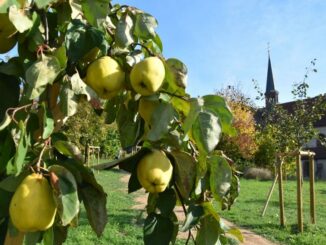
46,27
143,46
15,109
175,95
118,9
193,148
38,164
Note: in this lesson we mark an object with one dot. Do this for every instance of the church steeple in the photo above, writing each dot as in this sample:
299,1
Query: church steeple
271,95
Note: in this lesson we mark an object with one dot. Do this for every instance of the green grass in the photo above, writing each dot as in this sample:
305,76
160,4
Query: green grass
124,224
246,212
122,227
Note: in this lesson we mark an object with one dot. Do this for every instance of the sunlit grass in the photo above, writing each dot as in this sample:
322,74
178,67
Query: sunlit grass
247,212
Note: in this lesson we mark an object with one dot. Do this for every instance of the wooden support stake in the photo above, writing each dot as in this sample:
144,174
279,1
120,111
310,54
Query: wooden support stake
269,195
280,191
312,189
299,193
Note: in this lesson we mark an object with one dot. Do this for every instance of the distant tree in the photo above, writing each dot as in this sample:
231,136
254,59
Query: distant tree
89,127
241,147
265,154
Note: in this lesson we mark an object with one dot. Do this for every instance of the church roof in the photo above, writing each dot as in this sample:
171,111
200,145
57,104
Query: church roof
270,80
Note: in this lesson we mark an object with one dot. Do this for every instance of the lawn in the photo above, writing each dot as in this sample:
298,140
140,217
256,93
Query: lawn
247,212
124,224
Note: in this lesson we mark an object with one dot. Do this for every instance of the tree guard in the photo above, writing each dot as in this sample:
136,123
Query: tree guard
92,150
278,176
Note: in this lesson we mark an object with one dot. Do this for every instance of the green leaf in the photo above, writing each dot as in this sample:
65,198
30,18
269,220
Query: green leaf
129,164
233,193
206,131
60,54
40,74
5,122
48,122
184,172
75,9
12,67
228,240
3,229
217,105
208,233
34,38
95,10
236,233
90,192
81,38
154,45
23,144
68,149
11,182
123,36
79,87
95,205
68,101
161,119
128,125
220,176
175,77
18,18
65,190
111,109
158,230
48,237
195,107
145,25
166,202
33,238
4,5
158,42
43,3
9,87
133,183
194,214
4,203
7,149
60,234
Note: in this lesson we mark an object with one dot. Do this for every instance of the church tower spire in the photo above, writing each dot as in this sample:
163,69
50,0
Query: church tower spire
271,95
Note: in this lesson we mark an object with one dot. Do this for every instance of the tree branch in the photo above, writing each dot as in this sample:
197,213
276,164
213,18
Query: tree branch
143,46
175,95
46,26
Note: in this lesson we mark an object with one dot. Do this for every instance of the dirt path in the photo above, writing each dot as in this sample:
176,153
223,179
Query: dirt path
250,237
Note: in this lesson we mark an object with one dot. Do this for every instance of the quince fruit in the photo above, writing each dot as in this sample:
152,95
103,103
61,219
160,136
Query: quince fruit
7,34
32,207
147,76
105,77
154,171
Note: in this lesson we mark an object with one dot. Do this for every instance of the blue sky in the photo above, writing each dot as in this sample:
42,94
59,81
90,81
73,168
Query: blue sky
225,42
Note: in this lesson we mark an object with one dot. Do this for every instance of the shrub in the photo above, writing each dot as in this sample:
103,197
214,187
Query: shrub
258,173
